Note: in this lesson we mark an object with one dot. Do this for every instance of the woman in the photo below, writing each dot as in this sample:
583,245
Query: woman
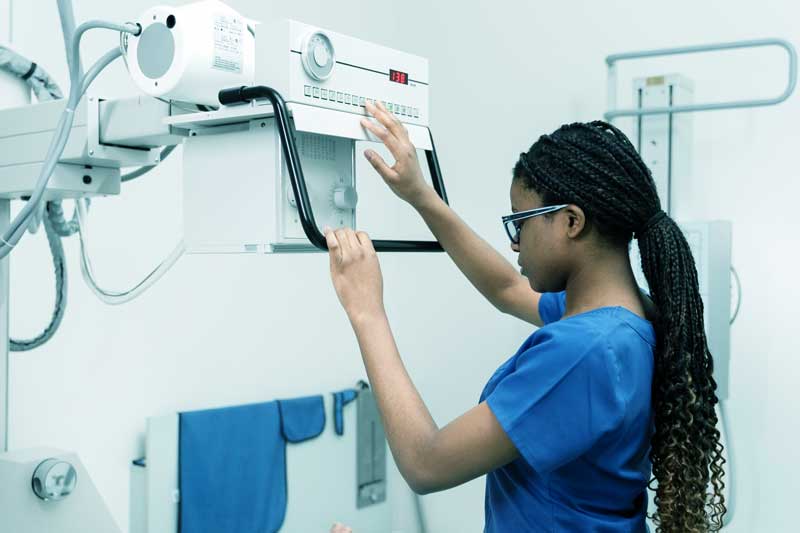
568,429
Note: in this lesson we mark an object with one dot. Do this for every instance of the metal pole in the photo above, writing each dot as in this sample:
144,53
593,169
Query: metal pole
5,220
612,88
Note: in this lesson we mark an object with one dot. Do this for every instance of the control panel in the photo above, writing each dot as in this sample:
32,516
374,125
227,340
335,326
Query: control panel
314,92
326,69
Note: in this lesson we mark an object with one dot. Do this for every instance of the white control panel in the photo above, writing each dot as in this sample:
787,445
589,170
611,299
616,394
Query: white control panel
355,100
323,68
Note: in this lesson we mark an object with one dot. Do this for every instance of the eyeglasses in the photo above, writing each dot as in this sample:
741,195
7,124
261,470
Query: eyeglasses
513,222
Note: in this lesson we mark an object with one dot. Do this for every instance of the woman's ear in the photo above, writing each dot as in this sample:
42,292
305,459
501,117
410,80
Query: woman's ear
576,221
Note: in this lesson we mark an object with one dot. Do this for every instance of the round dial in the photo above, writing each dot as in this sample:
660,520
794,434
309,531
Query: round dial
318,55
54,480
345,198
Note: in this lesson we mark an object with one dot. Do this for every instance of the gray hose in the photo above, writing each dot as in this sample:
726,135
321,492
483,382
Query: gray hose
61,226
67,16
43,86
57,250
98,67
55,225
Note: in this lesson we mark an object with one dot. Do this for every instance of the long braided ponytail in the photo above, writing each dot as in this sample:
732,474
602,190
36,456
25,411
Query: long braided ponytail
595,167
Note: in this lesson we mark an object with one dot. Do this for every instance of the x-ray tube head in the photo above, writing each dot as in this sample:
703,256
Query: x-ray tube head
188,53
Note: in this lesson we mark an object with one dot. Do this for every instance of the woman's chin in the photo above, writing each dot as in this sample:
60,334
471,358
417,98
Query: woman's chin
534,284
531,281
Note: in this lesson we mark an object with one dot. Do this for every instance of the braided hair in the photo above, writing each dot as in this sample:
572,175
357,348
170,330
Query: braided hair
595,167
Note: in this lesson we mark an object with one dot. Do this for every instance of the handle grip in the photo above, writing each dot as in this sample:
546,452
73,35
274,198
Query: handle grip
286,132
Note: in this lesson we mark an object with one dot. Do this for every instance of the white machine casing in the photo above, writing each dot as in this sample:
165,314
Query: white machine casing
237,192
188,53
237,197
105,136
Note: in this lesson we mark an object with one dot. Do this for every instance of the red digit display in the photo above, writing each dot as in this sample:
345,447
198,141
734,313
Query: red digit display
398,77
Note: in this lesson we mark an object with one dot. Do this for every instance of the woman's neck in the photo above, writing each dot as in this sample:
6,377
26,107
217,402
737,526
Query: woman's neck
604,280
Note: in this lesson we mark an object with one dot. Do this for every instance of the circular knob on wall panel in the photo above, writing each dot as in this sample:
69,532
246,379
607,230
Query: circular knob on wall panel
318,55
345,198
54,480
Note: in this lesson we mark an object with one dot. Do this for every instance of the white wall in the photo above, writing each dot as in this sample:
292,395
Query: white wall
220,330
5,20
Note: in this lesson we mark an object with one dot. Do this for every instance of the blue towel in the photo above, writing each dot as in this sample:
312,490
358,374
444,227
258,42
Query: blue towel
233,464
340,399
302,418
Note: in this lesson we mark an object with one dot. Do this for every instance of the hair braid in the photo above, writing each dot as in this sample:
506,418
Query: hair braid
596,167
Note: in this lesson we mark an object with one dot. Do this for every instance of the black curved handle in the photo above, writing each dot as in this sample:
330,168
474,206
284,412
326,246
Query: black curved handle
286,131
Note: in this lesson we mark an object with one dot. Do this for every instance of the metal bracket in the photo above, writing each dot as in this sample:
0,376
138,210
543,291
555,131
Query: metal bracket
102,154
370,452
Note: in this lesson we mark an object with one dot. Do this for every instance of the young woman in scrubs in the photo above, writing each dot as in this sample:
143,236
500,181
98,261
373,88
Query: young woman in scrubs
612,390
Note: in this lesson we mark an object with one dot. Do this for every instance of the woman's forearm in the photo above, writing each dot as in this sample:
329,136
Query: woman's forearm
409,427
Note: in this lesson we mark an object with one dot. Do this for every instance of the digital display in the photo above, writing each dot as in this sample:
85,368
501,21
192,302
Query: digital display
398,77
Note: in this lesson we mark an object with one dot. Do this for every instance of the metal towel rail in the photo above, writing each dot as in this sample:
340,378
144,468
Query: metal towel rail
613,59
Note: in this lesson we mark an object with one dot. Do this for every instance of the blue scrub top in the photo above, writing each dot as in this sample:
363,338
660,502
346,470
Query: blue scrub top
575,401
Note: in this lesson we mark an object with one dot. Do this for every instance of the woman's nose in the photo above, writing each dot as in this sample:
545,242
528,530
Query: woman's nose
515,247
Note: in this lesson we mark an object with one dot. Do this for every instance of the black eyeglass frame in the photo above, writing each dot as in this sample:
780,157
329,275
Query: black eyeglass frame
514,220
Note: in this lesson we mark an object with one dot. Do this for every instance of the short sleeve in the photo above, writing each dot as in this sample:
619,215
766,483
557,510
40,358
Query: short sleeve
552,306
560,399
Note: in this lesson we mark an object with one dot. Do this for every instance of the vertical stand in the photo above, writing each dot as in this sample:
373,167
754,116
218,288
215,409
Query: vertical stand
664,141
5,217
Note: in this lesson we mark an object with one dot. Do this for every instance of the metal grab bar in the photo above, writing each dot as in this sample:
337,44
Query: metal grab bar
612,78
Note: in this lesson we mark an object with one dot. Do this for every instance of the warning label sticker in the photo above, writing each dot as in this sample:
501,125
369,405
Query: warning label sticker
228,33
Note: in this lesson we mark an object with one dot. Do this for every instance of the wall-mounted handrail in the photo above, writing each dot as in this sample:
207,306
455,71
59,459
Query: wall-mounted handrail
613,59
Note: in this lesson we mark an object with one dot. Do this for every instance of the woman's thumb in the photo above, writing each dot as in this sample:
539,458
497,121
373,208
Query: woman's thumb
380,165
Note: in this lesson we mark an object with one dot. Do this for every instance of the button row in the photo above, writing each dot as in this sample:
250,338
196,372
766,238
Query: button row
358,101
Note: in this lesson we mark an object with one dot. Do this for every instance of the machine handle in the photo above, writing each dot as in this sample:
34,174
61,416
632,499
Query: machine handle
286,131
612,78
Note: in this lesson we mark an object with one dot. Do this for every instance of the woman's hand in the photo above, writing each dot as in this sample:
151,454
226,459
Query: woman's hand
340,528
356,273
405,177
